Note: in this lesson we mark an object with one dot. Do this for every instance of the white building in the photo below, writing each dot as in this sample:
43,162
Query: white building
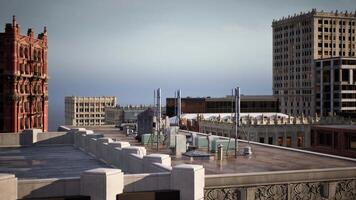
87,111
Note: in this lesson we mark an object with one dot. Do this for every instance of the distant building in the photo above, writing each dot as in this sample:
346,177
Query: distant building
249,103
23,79
336,86
87,111
334,139
297,41
270,128
146,122
123,114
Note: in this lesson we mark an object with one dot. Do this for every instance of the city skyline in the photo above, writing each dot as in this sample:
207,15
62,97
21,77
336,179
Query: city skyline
129,48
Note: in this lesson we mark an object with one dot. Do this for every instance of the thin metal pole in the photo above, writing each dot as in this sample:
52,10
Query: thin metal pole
159,115
237,115
179,110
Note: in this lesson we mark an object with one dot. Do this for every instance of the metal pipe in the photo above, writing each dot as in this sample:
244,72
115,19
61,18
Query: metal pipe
158,115
179,110
237,115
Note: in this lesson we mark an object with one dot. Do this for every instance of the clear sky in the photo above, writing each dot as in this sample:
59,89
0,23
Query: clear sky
126,48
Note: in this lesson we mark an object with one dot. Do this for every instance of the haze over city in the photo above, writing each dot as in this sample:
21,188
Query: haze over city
127,48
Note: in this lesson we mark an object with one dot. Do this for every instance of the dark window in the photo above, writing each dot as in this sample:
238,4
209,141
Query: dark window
352,142
262,140
270,140
325,139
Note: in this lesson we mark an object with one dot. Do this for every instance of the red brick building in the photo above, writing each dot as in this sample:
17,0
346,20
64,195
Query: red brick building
23,79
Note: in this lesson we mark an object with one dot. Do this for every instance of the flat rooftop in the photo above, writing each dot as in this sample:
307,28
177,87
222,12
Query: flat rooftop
66,161
46,161
264,158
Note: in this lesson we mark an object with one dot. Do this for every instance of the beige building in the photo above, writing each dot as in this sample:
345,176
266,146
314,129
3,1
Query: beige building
297,41
87,111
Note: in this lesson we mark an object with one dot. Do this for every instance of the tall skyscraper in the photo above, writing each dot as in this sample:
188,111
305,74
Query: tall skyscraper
297,41
23,79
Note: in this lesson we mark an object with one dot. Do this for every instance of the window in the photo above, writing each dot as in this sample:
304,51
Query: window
352,142
270,140
289,141
262,140
280,141
325,139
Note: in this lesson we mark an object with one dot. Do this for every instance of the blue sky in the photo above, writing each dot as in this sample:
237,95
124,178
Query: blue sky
127,48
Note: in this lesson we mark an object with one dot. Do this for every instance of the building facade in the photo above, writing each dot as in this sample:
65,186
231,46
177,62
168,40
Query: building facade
23,79
249,103
336,86
123,114
334,139
87,111
297,41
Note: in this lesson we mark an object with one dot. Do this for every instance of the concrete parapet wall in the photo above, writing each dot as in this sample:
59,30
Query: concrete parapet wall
102,183
134,164
333,183
29,138
44,188
147,182
8,187
149,160
158,167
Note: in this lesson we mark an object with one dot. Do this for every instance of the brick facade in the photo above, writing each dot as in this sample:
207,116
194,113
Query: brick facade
24,79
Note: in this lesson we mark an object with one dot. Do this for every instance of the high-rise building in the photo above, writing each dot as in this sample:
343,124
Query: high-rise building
336,86
297,41
86,111
23,79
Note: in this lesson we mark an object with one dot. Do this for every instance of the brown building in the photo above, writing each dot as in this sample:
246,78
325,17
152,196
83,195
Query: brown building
334,139
249,104
23,79
297,41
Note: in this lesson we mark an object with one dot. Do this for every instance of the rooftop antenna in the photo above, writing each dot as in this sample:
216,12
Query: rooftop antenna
237,115
179,107
175,104
231,117
159,113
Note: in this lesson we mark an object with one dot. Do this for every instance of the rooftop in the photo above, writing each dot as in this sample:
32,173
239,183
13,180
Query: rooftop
264,158
58,161
46,162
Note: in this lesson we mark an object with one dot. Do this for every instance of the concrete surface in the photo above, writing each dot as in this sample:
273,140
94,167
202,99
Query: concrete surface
46,162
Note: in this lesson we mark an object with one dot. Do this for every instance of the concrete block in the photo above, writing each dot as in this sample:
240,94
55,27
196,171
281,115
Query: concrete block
119,144
116,159
102,183
189,180
148,160
92,146
8,187
125,153
99,146
180,144
115,152
134,164
82,141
